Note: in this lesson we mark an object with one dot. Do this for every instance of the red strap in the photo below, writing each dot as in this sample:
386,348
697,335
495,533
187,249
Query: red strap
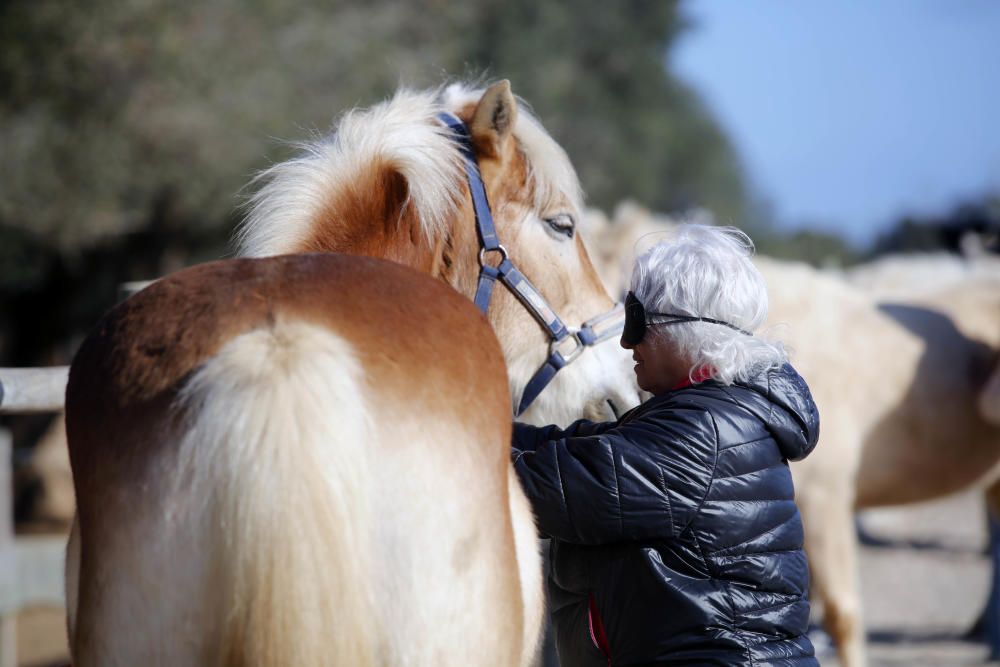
597,634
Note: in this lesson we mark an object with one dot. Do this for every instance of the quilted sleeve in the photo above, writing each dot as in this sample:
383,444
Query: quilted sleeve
527,437
640,480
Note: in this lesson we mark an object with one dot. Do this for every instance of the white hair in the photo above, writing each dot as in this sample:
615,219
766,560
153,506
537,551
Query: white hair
705,271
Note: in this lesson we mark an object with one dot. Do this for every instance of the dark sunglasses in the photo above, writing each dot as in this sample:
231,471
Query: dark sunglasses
637,320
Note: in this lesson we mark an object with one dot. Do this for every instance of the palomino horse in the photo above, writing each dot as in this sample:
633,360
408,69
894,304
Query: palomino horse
304,459
904,393
898,387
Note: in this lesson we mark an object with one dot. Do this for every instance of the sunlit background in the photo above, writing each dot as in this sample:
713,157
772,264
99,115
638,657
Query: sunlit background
838,134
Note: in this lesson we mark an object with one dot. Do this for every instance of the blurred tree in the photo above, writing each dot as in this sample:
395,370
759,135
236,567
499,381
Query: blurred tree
976,221
129,127
821,249
595,73
114,107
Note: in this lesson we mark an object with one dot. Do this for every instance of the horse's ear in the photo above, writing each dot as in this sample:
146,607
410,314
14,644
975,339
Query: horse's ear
493,120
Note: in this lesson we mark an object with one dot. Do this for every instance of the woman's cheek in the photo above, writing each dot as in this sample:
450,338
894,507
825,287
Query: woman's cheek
640,376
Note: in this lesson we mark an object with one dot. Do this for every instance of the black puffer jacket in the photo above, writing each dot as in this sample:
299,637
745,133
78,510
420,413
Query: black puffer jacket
677,525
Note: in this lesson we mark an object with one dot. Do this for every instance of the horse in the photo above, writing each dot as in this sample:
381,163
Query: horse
301,455
962,286
898,385
904,391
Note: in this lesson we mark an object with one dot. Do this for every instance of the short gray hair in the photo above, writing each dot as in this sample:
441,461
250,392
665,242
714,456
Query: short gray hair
705,271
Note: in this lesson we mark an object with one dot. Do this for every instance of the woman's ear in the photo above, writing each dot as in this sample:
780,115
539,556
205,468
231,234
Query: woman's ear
493,120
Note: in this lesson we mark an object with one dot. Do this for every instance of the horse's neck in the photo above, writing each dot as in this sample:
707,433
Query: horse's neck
369,217
374,219
456,252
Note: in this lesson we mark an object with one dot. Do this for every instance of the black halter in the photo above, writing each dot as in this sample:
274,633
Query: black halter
565,343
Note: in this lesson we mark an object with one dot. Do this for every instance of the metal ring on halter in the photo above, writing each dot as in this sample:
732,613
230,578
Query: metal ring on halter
500,249
571,355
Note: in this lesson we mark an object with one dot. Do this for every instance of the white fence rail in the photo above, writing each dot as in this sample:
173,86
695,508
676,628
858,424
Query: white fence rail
31,568
26,390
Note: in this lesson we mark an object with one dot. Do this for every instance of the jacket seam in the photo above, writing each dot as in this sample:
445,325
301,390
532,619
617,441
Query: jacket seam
751,472
715,466
784,603
666,496
715,554
749,501
755,537
565,500
618,487
711,482
729,589
736,629
762,438
770,403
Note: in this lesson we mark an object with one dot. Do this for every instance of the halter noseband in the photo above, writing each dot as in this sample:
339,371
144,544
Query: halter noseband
565,343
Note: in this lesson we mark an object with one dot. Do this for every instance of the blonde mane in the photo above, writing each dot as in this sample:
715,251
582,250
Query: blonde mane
404,134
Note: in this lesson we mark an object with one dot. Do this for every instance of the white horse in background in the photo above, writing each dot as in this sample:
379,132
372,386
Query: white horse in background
963,287
916,275
907,405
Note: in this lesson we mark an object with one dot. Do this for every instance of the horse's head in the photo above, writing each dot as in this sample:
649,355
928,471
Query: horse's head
536,206
391,182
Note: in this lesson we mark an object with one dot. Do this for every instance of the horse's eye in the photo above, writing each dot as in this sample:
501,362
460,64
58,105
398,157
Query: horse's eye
562,224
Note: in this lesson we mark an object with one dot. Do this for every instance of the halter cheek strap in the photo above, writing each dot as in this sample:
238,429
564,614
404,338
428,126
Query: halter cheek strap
565,343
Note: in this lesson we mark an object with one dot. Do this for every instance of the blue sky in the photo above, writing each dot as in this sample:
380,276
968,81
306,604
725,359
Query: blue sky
848,114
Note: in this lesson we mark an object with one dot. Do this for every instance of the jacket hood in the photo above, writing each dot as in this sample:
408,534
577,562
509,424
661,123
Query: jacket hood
789,413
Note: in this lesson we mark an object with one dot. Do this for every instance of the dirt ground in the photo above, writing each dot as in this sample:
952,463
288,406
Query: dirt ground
923,586
41,638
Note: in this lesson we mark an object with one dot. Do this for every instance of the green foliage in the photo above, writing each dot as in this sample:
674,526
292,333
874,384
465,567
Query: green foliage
594,72
821,249
115,107
129,127
931,233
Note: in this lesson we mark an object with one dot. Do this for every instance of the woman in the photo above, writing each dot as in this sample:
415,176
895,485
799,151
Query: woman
675,536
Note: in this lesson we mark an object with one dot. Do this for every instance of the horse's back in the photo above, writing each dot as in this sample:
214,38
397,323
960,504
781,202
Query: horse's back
147,345
297,459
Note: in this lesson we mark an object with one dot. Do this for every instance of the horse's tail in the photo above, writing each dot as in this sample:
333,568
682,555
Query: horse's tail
277,441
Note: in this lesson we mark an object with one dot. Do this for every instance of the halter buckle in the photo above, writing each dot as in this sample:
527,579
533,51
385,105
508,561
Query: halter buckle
570,355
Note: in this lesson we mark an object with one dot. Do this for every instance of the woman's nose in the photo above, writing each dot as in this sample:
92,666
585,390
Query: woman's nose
621,341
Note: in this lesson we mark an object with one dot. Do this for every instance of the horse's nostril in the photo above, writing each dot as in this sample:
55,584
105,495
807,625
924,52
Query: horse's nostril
614,409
